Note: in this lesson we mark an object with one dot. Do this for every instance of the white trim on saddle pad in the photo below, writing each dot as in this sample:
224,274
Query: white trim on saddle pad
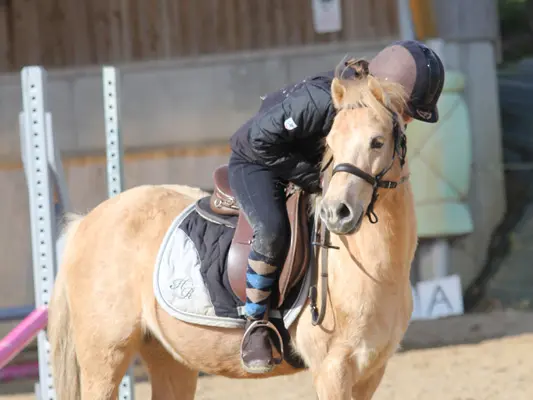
180,288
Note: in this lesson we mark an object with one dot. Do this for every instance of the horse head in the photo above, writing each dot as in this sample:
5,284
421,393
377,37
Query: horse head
366,145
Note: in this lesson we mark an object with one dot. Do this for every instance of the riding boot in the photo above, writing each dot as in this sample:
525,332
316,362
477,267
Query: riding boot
256,347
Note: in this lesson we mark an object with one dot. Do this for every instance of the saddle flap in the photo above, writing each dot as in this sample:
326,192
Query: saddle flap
297,259
238,257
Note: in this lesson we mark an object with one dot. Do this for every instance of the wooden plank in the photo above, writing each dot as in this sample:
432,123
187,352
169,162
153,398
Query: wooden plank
205,31
157,26
230,25
175,27
81,52
127,42
261,19
119,48
190,19
164,29
279,23
254,23
245,31
134,30
6,56
386,22
54,33
393,19
26,35
99,30
150,37
173,42
305,22
363,21
65,41
267,17
349,12
46,32
216,8
294,21
377,16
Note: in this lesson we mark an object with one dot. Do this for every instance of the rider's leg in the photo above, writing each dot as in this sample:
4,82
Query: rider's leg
263,201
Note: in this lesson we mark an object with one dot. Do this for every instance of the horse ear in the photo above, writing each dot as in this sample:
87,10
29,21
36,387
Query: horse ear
377,90
337,92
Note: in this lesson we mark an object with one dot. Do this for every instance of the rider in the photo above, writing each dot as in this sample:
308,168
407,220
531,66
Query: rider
283,143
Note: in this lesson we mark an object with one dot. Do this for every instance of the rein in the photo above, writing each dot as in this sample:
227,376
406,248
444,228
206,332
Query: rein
321,234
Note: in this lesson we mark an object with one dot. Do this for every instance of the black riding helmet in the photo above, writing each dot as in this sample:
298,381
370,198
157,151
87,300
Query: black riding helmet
416,67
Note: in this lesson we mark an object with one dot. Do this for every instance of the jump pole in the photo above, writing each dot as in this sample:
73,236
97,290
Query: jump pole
21,336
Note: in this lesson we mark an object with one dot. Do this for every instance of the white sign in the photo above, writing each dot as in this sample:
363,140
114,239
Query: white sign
437,298
327,15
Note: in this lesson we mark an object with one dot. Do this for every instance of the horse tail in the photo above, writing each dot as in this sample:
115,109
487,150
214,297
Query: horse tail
65,367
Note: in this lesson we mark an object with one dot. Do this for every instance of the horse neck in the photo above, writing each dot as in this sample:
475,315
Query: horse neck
384,250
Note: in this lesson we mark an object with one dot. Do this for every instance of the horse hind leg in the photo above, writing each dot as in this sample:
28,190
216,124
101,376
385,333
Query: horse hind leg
102,369
169,379
104,354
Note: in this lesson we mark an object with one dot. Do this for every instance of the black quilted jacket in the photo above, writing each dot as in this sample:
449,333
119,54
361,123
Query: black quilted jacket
287,133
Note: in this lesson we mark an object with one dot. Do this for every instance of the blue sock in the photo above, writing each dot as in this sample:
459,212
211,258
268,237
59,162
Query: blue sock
260,279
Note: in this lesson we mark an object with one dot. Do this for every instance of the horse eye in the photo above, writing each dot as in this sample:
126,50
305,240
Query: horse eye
377,143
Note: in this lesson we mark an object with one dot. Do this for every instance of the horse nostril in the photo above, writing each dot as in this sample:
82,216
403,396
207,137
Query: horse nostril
336,212
323,213
343,212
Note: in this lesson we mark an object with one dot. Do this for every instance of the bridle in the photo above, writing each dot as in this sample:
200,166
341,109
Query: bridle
321,233
377,181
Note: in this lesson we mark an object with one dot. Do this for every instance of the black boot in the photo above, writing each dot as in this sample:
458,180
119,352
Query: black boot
256,347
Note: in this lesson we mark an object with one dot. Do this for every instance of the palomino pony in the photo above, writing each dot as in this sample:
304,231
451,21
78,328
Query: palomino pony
104,312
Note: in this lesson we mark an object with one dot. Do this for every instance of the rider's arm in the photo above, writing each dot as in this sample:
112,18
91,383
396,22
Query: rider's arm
274,134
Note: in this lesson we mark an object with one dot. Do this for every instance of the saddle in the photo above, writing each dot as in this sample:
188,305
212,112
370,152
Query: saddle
223,202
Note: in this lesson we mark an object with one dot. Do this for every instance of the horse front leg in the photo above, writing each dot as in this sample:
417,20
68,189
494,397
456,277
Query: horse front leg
366,389
333,378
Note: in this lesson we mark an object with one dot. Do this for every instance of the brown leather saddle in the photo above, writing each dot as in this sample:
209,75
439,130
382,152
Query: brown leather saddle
223,202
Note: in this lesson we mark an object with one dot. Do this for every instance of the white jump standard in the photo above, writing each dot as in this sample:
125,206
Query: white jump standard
44,175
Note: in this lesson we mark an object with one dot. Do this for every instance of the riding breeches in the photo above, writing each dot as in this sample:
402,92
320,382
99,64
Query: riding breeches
261,197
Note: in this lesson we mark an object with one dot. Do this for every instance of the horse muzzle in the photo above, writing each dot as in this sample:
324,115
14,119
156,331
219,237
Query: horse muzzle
340,217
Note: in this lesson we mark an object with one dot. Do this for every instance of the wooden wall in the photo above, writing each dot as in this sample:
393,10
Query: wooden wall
60,33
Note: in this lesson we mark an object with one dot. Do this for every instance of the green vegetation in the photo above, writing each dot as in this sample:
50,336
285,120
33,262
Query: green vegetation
516,29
